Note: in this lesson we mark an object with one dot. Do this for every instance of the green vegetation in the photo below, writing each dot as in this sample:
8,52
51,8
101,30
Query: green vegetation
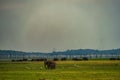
66,70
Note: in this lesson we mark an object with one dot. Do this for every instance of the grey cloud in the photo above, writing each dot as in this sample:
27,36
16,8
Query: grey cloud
42,25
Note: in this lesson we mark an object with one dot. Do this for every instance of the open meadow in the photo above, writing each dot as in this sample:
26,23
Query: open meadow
65,70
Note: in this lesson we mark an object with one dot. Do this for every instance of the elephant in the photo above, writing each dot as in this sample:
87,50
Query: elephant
49,64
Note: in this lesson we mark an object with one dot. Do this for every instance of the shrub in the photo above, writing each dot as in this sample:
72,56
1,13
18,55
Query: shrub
63,59
85,58
55,59
76,59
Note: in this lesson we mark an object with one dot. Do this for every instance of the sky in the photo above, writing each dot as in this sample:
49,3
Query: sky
48,25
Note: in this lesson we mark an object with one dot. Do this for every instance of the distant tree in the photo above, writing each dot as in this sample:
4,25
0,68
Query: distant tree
13,60
118,58
112,58
85,58
63,59
76,59
55,59
25,59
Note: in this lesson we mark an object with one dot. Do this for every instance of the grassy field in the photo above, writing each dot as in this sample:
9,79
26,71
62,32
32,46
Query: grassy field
66,70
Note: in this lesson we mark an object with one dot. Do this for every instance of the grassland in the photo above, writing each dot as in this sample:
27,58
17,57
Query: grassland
66,70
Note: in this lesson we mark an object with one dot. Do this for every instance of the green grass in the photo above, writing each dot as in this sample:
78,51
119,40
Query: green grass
66,70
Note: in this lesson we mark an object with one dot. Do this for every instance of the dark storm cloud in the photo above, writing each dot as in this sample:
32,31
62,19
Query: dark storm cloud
42,25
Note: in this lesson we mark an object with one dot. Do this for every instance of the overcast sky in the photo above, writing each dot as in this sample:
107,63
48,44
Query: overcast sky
47,25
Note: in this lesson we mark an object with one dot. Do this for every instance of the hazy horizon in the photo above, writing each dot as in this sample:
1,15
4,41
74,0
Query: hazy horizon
48,25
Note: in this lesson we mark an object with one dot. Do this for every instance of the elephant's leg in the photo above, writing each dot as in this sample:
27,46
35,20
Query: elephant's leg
52,66
49,65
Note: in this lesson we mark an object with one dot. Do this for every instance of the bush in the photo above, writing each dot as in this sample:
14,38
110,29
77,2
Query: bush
112,58
25,59
118,58
41,59
55,59
76,59
13,60
85,58
63,59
